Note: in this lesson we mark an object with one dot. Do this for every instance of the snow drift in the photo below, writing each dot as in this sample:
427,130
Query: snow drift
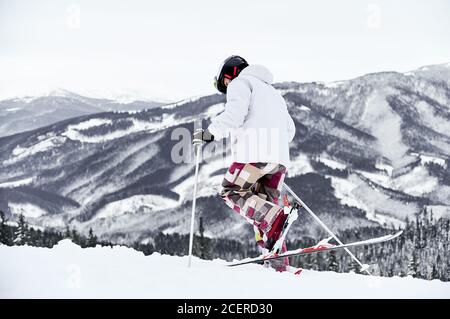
69,271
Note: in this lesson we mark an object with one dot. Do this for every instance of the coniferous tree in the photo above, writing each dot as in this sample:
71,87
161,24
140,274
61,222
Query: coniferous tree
67,233
21,233
412,266
5,233
332,262
39,239
354,267
204,247
321,265
75,237
92,239
434,273
32,237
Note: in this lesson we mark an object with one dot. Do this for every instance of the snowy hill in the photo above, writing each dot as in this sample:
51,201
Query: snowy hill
68,271
31,112
368,151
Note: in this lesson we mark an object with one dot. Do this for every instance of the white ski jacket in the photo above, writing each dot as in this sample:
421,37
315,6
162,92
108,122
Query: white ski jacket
257,119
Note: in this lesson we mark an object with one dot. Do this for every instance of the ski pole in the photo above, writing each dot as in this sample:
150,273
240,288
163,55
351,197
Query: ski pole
317,219
197,147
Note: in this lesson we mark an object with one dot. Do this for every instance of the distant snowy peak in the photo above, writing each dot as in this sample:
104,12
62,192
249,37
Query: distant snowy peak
31,96
43,108
61,92
128,97
123,96
433,72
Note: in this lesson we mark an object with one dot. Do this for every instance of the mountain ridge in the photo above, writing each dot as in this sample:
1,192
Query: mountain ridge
369,151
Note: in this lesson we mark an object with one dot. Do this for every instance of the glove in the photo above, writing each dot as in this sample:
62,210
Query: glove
201,135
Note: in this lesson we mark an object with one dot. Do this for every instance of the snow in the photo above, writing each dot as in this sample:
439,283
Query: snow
27,209
68,271
335,84
207,185
346,191
388,129
383,219
215,109
59,92
356,193
17,183
380,179
84,190
120,95
13,109
439,211
304,108
417,182
46,136
123,95
385,167
133,203
424,159
45,145
332,163
181,102
437,72
343,190
89,124
430,119
20,152
300,165
380,206
73,132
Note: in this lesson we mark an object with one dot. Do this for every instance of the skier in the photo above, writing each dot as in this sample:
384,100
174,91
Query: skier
260,127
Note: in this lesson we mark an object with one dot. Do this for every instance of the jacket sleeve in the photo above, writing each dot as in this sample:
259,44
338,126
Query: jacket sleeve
236,109
290,127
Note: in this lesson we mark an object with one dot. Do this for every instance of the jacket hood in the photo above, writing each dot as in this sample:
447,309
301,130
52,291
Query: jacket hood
258,71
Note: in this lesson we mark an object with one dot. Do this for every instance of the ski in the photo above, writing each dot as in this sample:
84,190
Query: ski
317,248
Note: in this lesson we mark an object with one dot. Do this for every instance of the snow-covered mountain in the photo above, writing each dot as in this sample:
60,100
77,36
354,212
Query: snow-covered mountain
68,271
31,112
371,150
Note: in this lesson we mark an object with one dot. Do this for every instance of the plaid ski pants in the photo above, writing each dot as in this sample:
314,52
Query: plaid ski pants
252,190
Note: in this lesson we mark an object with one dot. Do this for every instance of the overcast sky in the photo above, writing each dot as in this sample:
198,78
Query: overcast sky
171,49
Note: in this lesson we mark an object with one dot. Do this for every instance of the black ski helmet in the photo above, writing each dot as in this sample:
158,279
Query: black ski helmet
229,69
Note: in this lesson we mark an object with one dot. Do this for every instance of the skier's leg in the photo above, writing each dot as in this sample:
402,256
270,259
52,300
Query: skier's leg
239,193
270,187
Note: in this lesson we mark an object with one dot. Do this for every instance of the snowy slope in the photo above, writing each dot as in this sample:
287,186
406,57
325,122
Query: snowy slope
68,271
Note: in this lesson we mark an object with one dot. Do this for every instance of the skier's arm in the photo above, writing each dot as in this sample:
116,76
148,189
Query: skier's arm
290,127
236,109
